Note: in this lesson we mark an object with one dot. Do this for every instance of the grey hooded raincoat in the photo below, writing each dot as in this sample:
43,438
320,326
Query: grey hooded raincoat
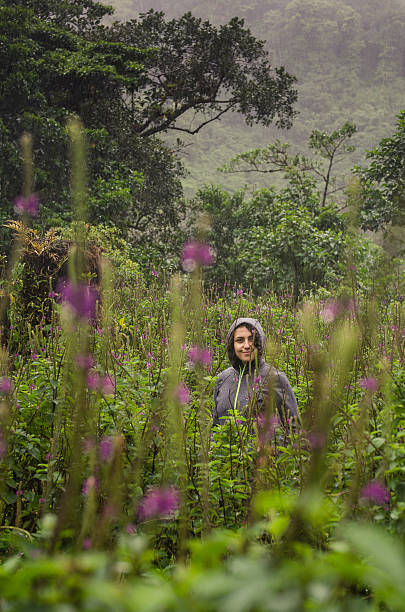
228,393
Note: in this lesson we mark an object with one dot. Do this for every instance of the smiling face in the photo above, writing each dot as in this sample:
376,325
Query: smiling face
243,344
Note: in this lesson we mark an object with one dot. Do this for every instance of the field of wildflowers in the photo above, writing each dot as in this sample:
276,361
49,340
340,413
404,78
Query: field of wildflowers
118,494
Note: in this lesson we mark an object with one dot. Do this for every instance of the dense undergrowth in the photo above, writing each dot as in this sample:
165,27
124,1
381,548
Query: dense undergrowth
102,414
118,494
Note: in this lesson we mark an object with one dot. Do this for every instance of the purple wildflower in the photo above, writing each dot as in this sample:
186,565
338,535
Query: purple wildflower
6,385
93,381
200,355
183,394
103,384
105,448
130,529
159,502
90,484
369,384
86,544
84,362
194,354
330,311
316,440
107,385
3,447
266,428
81,298
206,357
28,206
375,492
196,254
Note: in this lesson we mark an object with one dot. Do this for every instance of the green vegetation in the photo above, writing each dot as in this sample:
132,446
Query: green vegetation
127,83
116,294
347,56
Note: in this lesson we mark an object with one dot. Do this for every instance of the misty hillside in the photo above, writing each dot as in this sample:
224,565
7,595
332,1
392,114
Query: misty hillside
348,57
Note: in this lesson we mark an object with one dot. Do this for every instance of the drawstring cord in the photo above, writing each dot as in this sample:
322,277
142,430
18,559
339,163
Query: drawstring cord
238,387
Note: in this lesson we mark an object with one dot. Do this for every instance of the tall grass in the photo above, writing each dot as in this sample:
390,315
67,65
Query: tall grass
107,443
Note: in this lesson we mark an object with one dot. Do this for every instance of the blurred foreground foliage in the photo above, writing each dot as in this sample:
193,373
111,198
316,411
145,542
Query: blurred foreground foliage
262,523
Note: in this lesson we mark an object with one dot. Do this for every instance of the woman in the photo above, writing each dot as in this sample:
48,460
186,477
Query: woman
250,377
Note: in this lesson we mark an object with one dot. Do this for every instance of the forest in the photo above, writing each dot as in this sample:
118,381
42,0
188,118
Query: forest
165,170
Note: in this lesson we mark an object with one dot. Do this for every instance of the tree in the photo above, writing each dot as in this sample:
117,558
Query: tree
274,240
127,82
274,158
204,69
291,238
383,181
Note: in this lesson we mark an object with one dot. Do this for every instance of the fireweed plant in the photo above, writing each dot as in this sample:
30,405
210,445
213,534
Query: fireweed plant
106,443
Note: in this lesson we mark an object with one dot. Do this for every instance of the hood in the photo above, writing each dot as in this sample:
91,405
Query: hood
229,340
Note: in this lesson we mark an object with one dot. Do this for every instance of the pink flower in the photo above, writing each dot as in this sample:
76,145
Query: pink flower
105,448
6,385
196,254
130,529
93,381
86,544
183,394
80,298
194,354
369,384
198,355
28,205
375,492
3,447
266,428
159,502
206,357
90,484
84,362
103,384
107,385
316,440
330,311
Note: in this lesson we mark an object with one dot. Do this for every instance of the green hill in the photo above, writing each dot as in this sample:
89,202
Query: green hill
348,57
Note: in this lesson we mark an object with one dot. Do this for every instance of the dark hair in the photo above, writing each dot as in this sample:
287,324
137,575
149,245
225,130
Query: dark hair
257,343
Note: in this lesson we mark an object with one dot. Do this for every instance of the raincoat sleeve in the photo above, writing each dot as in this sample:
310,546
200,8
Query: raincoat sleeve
285,401
215,418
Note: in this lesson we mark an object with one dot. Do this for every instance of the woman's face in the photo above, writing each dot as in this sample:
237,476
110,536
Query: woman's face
243,344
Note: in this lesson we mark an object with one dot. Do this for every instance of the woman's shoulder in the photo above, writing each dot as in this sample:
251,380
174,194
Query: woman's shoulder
225,374
268,371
